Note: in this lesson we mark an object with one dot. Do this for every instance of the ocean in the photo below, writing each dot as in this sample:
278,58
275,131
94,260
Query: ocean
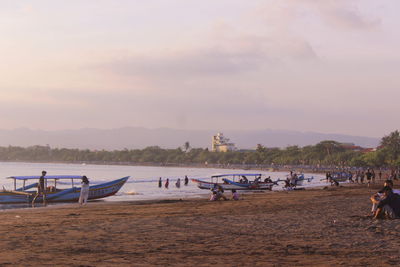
143,182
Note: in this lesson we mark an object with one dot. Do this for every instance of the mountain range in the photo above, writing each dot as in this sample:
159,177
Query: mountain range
138,138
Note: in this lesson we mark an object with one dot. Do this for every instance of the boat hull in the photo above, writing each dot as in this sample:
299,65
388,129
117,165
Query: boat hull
251,186
67,195
230,186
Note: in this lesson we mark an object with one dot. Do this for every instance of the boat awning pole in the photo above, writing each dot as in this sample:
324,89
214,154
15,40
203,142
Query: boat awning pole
15,184
72,181
23,186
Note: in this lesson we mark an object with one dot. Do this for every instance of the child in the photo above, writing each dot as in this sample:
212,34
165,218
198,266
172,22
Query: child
235,195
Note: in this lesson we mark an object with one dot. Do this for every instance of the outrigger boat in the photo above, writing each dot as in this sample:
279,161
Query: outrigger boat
237,182
54,194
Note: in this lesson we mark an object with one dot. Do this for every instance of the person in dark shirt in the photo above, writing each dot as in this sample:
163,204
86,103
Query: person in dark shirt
389,206
41,190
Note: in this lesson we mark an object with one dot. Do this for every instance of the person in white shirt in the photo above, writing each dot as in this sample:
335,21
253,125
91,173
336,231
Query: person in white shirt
84,191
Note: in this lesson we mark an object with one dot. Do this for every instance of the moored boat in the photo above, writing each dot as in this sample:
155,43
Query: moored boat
54,193
238,181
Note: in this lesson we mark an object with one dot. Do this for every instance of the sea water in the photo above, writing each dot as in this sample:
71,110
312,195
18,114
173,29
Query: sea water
143,181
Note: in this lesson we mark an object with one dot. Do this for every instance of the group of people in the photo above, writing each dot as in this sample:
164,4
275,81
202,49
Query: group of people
291,180
360,176
177,183
217,193
43,190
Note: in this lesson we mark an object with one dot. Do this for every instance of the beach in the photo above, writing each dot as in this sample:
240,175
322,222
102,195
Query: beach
313,227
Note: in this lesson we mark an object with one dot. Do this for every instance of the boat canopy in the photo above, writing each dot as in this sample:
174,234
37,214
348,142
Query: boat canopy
237,174
46,177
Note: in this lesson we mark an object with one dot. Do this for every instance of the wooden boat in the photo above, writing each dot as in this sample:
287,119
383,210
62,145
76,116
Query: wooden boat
236,182
54,194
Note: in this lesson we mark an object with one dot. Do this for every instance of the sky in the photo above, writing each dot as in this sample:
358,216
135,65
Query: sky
327,66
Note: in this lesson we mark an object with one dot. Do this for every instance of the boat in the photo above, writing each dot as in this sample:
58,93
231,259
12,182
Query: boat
295,180
24,194
237,181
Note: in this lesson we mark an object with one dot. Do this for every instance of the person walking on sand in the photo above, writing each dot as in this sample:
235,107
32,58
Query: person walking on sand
160,182
41,190
84,191
166,183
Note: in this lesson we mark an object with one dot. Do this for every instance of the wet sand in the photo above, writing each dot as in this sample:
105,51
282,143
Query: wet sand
317,227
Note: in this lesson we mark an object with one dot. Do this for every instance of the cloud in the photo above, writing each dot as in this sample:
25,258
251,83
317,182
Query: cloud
343,14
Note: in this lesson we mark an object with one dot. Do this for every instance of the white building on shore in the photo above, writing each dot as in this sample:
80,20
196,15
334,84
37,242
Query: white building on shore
221,144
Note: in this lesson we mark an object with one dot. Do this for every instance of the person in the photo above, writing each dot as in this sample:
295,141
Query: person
84,191
160,182
245,180
178,183
268,180
166,183
351,177
389,206
379,195
235,195
219,191
213,196
186,180
368,175
41,190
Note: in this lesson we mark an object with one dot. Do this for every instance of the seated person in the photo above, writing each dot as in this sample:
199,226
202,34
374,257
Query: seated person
235,195
268,180
245,180
389,206
213,196
379,195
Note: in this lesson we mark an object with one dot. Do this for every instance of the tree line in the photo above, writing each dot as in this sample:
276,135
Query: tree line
325,153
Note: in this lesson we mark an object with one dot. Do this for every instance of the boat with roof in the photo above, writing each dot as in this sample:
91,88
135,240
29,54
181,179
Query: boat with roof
59,188
237,181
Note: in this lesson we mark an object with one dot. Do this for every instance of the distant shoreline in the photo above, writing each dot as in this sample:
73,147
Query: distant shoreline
270,168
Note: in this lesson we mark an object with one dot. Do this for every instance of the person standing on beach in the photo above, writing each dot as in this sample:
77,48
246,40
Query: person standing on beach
186,180
167,183
160,182
84,191
41,190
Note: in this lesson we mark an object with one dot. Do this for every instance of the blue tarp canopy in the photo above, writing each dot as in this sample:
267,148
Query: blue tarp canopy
237,174
46,177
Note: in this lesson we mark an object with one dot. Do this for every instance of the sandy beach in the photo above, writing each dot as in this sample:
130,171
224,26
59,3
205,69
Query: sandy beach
316,227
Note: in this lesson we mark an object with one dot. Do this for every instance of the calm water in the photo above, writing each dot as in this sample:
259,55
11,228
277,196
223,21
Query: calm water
143,184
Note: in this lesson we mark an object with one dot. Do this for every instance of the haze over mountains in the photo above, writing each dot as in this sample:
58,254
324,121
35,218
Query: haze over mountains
138,138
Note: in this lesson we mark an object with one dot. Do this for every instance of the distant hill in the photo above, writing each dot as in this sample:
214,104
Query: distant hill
135,137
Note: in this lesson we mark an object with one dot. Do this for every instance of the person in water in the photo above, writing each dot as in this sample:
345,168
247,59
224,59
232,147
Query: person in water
186,180
178,183
166,183
84,191
160,182
41,190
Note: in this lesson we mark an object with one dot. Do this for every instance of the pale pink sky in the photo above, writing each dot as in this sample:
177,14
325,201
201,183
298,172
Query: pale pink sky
326,66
